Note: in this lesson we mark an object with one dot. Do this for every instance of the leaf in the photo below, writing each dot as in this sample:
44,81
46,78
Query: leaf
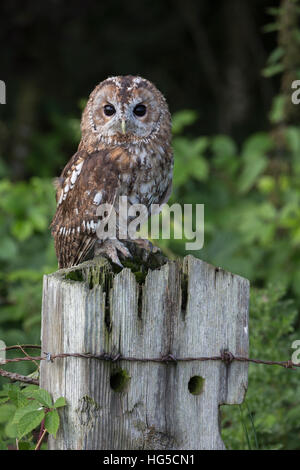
271,27
277,110
3,400
60,402
181,119
199,169
271,70
17,397
22,229
43,397
292,135
223,146
181,173
29,390
11,430
29,422
258,143
275,55
251,172
3,446
33,405
8,249
26,445
52,422
266,184
199,145
6,412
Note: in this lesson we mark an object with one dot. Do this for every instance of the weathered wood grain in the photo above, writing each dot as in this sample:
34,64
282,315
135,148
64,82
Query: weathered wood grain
189,309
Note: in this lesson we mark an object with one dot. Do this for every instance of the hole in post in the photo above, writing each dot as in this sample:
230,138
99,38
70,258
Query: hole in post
119,380
196,384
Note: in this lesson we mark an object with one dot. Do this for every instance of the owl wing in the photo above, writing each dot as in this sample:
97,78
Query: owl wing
165,196
87,181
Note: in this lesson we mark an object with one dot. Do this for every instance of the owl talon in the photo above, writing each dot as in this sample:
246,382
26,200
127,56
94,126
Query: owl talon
110,248
146,245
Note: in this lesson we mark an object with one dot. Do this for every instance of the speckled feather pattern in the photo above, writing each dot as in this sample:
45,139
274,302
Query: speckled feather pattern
109,164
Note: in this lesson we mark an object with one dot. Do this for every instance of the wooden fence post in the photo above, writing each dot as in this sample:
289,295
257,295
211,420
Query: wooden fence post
188,310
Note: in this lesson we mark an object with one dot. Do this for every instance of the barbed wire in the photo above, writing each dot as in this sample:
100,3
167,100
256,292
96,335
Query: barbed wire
225,356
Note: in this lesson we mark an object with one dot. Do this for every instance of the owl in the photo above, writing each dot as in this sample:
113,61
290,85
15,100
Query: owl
125,150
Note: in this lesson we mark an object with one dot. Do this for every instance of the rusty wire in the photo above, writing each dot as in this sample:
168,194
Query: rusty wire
225,356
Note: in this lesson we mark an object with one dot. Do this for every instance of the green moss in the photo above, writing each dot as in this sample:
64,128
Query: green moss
140,277
119,380
100,271
91,402
74,276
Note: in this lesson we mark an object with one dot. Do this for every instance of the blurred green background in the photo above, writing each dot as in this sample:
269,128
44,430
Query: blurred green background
226,68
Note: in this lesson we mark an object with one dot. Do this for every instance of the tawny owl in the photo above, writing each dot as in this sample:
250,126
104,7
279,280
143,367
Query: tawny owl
125,150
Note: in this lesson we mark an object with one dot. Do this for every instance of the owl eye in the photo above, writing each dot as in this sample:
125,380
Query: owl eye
109,110
140,110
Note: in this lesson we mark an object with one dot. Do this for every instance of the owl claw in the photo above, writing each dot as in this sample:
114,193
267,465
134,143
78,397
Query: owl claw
110,248
146,245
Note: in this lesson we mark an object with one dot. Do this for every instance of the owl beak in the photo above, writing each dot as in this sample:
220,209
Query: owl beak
123,126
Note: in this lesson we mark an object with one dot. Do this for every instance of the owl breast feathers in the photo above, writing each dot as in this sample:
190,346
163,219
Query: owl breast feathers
125,150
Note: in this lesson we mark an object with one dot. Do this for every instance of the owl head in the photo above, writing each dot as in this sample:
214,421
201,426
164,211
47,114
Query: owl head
125,109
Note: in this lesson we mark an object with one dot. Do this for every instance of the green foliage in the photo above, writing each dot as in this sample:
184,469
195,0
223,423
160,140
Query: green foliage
22,411
26,253
270,416
251,199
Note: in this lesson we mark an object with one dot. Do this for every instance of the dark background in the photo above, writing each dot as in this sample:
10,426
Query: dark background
203,55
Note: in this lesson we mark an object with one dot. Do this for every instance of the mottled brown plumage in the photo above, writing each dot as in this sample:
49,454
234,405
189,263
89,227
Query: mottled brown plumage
123,154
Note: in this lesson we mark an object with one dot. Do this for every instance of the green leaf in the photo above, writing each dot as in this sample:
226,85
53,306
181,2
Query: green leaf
292,135
181,119
275,55
6,412
52,422
43,397
251,172
26,445
33,405
29,422
11,430
3,400
199,169
257,144
8,249
22,229
266,184
17,397
181,173
199,145
3,446
60,402
273,69
271,27
277,110
29,390
223,146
